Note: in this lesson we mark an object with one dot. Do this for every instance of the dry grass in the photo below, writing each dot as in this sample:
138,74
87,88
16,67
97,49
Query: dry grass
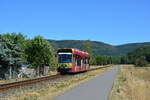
21,79
12,80
132,83
51,91
97,66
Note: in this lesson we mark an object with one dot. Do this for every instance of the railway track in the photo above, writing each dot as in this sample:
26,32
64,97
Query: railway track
27,82
18,84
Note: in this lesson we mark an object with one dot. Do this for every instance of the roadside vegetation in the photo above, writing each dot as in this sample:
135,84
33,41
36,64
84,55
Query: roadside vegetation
48,92
16,51
132,83
139,57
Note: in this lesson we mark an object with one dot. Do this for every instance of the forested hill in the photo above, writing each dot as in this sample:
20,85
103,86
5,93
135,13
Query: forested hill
99,48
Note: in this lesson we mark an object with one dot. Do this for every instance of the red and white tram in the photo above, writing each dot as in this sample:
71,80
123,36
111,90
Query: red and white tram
73,59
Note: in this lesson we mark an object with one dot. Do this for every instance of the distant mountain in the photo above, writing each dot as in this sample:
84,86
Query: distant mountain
99,48
124,49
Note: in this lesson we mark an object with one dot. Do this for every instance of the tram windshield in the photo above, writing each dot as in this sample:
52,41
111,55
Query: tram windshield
65,57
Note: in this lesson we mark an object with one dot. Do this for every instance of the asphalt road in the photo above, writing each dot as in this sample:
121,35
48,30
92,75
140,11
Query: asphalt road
98,88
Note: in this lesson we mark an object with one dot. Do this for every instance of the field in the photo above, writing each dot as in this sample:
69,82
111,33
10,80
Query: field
132,83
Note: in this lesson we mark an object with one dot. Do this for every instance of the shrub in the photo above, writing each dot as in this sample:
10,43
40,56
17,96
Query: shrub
141,62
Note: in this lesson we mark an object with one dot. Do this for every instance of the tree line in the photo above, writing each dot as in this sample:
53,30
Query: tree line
16,50
139,57
104,60
100,60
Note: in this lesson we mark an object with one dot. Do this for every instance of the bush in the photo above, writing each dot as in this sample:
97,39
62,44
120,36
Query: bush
141,62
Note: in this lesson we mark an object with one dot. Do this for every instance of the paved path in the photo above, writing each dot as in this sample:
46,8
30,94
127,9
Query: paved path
96,89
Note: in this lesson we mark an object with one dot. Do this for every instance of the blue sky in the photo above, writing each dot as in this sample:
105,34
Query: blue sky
110,21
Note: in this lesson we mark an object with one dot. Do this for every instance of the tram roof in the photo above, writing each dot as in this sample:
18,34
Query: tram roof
74,51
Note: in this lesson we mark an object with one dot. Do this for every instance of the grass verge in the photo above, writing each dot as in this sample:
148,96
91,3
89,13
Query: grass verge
49,92
132,83
22,79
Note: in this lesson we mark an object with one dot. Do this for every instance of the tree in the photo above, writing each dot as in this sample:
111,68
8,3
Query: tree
10,57
140,56
39,53
18,39
93,61
116,60
87,46
124,60
100,60
109,60
141,61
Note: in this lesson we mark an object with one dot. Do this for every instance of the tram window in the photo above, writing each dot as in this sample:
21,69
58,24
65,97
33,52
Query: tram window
65,58
78,60
87,61
84,61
